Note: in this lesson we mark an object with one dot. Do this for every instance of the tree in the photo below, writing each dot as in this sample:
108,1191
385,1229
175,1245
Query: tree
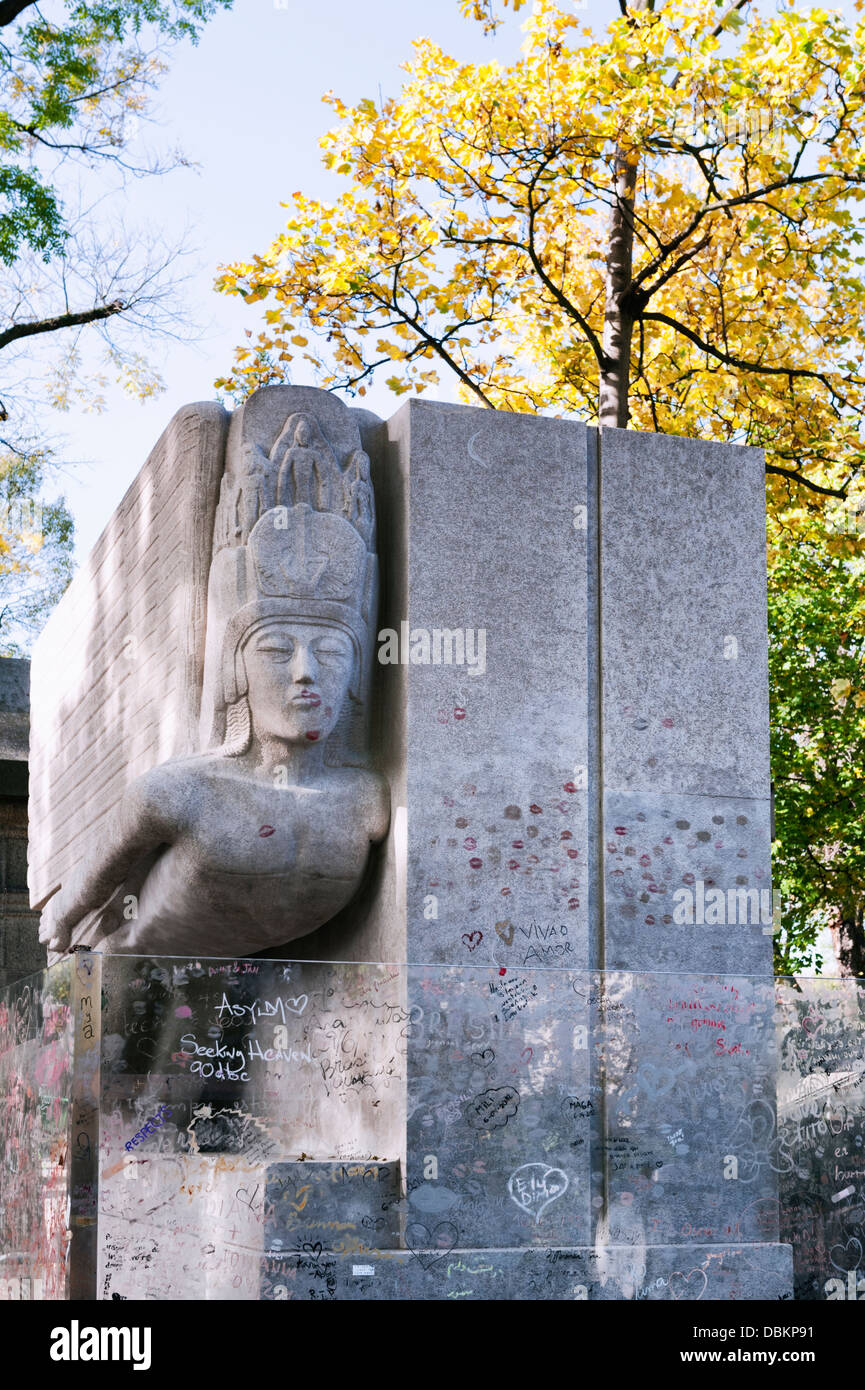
35,549
516,224
817,670
659,227
75,93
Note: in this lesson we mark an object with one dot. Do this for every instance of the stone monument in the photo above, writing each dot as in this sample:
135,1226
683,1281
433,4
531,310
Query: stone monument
451,828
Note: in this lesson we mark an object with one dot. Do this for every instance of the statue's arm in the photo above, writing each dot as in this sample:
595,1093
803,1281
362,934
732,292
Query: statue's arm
378,807
147,818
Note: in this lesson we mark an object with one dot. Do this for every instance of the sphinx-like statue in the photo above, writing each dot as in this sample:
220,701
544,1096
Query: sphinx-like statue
265,834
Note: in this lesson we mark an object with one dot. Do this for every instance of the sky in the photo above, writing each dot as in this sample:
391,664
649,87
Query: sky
245,105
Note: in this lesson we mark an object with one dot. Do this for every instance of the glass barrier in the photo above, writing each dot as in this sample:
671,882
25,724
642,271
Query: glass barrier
258,1129
821,1134
35,1091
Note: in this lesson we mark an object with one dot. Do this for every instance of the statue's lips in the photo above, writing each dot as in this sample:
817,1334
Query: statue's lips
307,697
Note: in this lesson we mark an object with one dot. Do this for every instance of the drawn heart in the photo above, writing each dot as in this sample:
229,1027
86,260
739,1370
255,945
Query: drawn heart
684,1292
485,1058
506,932
534,1186
297,1006
844,1261
243,1196
422,1241
811,1023
473,939
655,1080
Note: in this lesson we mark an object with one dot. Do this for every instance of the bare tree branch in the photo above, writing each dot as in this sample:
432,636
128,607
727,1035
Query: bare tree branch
51,325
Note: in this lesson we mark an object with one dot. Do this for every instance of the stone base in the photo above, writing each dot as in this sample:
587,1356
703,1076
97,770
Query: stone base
661,1272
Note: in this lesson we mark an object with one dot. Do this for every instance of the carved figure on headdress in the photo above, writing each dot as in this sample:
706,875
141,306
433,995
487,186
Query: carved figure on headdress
360,504
308,471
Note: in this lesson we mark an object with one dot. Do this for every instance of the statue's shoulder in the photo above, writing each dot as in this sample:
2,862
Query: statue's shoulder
163,792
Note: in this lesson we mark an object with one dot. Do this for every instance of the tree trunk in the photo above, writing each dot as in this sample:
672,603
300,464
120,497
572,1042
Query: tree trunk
849,939
613,407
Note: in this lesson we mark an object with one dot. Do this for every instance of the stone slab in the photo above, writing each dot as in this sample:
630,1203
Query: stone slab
495,833
658,845
683,616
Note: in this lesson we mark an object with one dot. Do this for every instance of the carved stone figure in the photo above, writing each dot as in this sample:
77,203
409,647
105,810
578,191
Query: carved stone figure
308,471
264,835
359,501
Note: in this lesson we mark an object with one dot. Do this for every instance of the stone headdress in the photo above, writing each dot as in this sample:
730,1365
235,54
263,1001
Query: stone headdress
294,538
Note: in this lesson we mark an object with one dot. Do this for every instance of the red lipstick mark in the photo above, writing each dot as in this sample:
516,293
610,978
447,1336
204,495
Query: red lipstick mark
313,735
475,863
569,787
535,809
459,712
503,971
265,831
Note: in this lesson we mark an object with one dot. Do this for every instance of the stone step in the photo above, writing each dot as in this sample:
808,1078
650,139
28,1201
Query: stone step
657,1273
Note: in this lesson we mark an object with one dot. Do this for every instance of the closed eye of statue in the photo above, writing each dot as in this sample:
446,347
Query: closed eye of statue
332,653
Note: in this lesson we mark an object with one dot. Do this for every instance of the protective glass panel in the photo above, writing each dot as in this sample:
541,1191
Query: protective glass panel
257,1129
35,1090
